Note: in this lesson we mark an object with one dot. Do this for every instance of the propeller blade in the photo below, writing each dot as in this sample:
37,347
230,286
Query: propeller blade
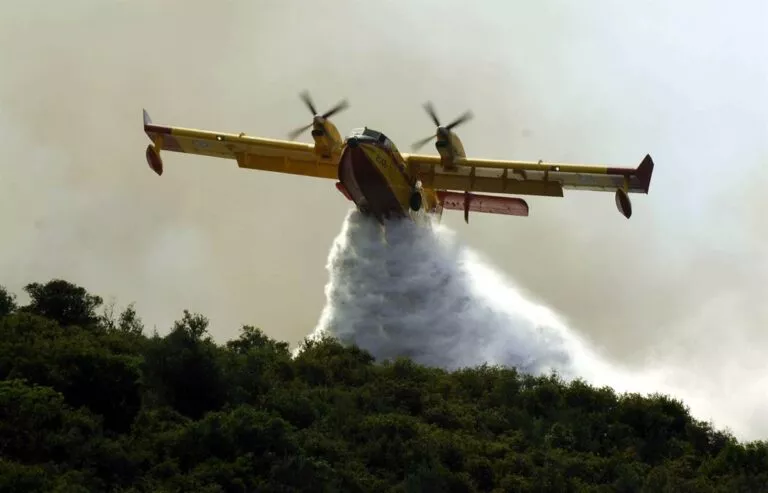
443,132
458,121
342,105
299,131
418,145
431,111
308,101
317,119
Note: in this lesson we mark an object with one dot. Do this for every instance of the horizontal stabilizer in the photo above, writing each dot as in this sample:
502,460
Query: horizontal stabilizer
466,202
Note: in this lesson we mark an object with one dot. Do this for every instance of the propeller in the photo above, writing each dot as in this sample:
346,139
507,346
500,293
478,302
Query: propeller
442,131
316,119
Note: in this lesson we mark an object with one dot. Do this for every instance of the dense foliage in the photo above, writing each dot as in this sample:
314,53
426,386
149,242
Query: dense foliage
88,402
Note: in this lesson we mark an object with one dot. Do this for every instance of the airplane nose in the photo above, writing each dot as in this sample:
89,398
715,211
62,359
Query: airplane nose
352,142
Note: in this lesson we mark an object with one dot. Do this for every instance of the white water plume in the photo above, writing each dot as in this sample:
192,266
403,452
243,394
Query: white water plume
407,290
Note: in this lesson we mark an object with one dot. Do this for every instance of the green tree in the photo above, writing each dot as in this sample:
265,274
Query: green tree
130,322
93,404
7,302
184,370
79,363
64,302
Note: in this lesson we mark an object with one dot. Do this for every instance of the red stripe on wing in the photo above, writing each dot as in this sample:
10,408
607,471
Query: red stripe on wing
492,204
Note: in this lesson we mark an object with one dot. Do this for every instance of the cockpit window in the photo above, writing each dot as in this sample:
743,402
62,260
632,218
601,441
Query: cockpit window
373,134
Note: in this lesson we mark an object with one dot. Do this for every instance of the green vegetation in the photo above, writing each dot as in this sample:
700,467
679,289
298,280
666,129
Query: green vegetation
88,402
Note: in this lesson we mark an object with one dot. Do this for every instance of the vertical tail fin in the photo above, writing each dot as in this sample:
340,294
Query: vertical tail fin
644,172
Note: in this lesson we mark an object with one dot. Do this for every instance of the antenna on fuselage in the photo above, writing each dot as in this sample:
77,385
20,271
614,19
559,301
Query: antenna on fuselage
318,121
443,132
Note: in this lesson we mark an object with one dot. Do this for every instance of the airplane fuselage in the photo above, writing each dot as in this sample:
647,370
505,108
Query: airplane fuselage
374,175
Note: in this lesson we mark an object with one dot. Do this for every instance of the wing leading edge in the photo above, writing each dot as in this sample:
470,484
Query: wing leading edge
249,152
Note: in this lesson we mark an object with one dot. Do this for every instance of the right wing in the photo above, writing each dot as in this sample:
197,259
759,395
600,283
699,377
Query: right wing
280,156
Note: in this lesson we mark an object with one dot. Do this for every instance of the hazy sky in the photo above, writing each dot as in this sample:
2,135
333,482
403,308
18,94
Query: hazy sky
600,82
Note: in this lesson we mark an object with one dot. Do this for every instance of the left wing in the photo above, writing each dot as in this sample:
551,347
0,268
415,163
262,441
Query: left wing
527,178
531,178
250,152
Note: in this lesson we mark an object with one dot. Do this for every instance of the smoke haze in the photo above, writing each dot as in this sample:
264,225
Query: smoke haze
681,285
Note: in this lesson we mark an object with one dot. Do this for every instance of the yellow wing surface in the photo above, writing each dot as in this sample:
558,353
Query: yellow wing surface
249,152
527,178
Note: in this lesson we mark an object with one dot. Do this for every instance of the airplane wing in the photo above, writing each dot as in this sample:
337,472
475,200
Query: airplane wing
531,178
250,152
527,178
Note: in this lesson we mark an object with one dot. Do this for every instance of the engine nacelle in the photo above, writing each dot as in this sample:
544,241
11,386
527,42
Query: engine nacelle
623,203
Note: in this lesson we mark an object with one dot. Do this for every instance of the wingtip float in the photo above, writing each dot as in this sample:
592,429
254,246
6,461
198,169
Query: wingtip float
371,172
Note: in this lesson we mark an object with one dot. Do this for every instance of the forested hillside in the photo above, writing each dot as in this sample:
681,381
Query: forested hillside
91,402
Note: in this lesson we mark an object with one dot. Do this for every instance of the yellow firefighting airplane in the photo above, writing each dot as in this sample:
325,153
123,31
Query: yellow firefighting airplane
385,183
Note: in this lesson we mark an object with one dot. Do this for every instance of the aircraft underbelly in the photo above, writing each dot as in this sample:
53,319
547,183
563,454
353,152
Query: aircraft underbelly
367,187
